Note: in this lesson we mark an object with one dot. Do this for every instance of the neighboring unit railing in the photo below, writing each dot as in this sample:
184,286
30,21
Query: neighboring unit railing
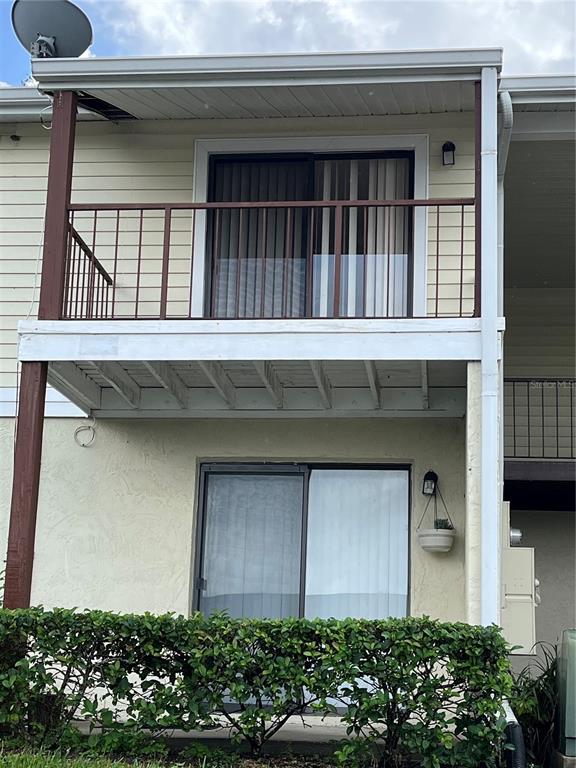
539,418
349,258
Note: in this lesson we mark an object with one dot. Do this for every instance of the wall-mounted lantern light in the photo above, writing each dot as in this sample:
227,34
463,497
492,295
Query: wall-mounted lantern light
448,153
430,483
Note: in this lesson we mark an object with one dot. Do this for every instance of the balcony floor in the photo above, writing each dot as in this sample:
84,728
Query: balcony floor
412,367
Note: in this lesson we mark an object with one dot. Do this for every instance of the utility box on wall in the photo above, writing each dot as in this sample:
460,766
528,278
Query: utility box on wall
518,590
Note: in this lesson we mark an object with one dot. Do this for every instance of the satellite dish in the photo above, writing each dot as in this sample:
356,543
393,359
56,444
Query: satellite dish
51,28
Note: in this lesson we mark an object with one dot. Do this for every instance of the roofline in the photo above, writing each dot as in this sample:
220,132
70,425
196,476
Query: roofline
539,89
262,69
25,104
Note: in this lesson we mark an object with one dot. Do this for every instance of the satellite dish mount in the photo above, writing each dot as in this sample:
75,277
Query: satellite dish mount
43,47
51,28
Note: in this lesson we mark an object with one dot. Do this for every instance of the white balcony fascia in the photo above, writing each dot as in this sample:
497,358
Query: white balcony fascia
220,340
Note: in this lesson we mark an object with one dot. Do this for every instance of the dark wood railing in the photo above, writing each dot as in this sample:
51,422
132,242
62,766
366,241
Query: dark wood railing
539,418
287,259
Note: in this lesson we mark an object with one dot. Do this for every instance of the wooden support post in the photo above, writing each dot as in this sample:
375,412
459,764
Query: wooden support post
27,455
28,450
57,203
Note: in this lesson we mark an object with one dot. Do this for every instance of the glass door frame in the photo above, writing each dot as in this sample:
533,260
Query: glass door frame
303,469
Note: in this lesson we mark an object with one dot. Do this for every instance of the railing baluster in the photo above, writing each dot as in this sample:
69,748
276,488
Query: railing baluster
338,234
139,264
192,247
115,268
557,422
311,234
165,262
437,261
461,261
388,257
239,264
264,246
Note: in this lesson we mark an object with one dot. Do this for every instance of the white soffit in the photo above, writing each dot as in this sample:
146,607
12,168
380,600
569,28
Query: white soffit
294,85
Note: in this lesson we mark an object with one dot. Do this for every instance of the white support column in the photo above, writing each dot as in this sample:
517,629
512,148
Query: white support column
473,536
490,380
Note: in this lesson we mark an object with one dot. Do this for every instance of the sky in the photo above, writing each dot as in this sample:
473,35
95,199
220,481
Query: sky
538,36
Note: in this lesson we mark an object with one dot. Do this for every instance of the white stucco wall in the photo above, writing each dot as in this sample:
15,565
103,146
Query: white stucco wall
116,521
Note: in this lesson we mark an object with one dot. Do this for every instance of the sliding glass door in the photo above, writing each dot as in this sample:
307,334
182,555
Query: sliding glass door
269,262
303,540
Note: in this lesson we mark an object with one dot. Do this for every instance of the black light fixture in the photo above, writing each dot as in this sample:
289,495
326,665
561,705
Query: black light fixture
430,483
448,153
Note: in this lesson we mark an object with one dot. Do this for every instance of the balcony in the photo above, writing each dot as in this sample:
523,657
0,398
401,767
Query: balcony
272,260
163,305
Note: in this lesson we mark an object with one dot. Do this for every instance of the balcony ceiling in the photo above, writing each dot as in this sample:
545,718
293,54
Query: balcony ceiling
281,388
275,86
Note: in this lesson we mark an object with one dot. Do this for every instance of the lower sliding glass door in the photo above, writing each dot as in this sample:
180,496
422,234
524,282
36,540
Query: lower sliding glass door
299,540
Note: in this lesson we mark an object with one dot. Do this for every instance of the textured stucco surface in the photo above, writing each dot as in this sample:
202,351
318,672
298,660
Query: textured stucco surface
116,521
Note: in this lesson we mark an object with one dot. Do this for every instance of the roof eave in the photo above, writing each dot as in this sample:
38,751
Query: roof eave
537,89
290,69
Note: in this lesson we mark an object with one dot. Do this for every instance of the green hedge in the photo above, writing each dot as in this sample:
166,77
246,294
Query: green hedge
408,686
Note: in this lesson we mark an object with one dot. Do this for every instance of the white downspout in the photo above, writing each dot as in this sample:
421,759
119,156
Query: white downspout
490,377
503,147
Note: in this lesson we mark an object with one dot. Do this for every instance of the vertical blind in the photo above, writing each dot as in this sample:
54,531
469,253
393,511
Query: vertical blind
252,543
354,523
280,262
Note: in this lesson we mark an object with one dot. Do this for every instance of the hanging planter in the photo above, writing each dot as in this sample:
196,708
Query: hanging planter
436,539
441,536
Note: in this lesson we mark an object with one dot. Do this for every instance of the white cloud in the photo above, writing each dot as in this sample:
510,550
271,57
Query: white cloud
537,35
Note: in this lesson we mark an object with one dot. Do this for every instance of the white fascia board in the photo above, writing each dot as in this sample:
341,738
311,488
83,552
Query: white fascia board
21,104
219,340
24,105
174,71
559,89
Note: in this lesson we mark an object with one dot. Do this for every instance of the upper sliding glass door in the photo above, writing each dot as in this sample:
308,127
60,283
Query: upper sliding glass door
281,261
313,541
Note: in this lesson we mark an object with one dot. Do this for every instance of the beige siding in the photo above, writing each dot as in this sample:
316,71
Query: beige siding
153,162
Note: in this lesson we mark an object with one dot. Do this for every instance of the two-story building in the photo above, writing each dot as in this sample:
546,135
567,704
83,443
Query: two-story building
277,287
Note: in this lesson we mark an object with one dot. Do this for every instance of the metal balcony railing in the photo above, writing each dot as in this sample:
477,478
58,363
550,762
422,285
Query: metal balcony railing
539,418
311,259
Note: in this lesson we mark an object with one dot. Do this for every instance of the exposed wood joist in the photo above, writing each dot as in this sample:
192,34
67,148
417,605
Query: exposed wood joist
373,381
219,380
167,377
121,382
298,402
322,383
68,379
425,392
270,381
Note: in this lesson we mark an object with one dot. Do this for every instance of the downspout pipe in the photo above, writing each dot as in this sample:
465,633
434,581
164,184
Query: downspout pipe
507,121
516,750
490,499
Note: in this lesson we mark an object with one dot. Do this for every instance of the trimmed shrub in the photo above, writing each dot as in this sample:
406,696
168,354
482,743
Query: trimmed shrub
407,687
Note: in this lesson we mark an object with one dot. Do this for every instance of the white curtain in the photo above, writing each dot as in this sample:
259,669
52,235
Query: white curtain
252,545
357,550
